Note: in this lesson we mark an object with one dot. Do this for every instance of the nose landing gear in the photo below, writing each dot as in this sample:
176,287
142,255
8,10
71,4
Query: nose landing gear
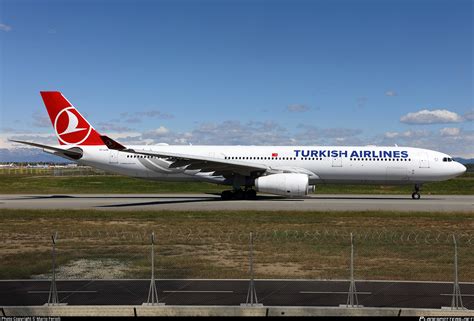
416,194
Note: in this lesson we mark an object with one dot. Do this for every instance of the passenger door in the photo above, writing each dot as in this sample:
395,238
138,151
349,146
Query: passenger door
336,162
424,162
113,156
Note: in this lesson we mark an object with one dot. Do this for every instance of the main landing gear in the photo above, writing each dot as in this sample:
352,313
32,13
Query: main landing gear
416,194
239,194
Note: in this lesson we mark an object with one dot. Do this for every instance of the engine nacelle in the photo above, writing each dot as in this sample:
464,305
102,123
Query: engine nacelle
292,185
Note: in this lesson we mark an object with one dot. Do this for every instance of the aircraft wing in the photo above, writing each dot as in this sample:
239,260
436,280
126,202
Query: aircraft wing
220,167
205,164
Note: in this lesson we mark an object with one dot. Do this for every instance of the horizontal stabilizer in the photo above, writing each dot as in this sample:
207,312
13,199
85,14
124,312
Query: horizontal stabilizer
74,152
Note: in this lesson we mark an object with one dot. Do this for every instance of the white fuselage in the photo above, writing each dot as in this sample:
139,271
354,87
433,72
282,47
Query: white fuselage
324,164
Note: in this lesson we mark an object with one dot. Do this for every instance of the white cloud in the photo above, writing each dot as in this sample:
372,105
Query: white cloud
450,131
5,27
297,108
469,116
137,117
129,138
437,116
407,134
391,134
236,133
41,120
328,135
32,137
161,131
456,145
117,135
391,93
112,126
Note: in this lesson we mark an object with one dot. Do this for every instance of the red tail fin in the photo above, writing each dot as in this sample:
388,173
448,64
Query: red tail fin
71,128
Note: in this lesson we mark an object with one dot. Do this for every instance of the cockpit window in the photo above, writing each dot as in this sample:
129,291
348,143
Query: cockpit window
447,159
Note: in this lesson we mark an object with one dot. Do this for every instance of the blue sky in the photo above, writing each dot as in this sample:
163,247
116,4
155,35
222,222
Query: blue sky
244,72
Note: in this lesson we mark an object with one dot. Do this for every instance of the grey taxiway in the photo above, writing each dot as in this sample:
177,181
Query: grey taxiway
211,202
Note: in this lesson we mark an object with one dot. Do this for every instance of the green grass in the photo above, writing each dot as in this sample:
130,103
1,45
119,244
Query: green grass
26,184
389,245
462,185
97,184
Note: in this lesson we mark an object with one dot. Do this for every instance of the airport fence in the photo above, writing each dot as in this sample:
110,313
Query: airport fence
428,237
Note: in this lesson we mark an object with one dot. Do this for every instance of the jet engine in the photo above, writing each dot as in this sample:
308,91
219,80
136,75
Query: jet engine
292,185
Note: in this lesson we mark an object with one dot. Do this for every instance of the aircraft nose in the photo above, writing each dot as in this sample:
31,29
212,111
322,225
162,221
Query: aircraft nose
461,168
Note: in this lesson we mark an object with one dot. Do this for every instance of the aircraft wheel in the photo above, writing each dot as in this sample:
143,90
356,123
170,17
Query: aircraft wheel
226,195
251,194
416,196
238,194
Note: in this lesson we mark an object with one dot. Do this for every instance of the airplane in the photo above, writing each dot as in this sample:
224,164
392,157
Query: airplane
7,165
290,171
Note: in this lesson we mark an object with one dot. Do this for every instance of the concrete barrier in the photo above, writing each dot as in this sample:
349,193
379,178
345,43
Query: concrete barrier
84,310
331,311
70,310
198,311
365,311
